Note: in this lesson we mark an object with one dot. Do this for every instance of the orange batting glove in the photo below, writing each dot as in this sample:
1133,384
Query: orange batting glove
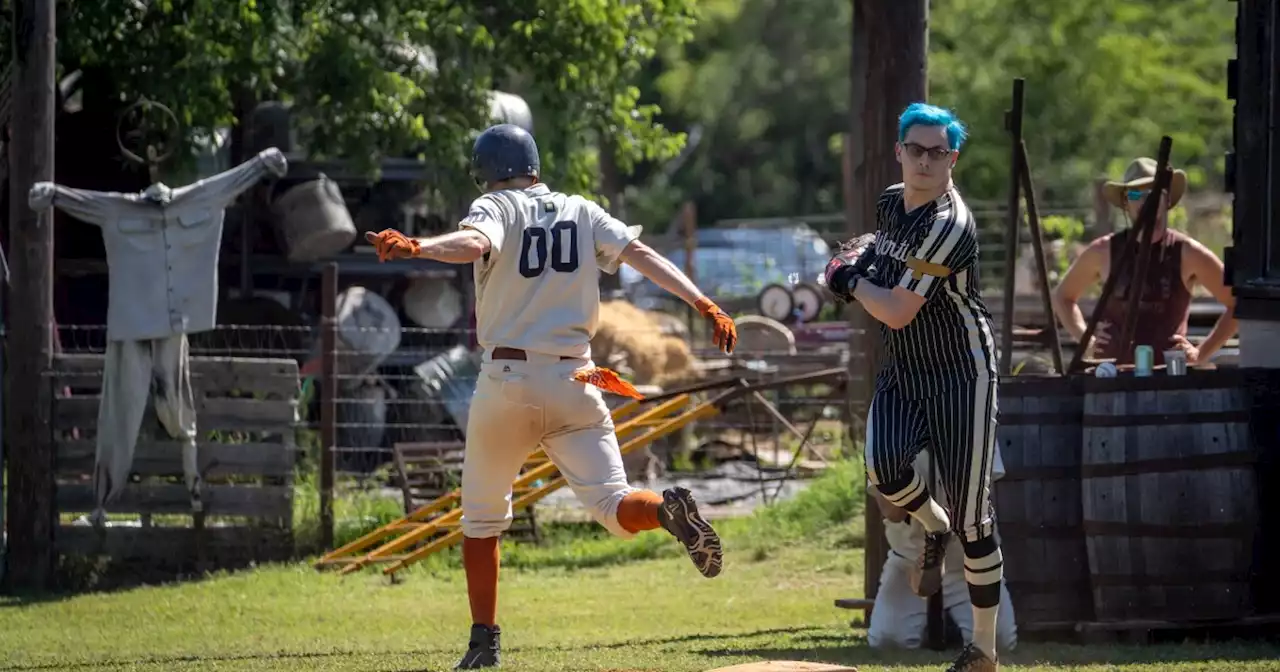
392,244
724,333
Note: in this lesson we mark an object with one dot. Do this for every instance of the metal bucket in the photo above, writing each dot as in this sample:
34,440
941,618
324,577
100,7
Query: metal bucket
312,220
450,379
368,331
435,397
362,418
434,303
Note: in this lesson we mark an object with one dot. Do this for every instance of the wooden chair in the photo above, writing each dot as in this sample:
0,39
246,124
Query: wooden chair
429,470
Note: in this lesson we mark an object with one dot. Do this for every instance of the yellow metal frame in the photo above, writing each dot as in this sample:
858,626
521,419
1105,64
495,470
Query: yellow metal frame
658,421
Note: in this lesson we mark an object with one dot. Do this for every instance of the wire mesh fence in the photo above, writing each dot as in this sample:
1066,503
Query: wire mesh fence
412,394
413,387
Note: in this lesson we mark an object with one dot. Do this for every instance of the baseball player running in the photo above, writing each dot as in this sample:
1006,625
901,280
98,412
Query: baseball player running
536,253
918,275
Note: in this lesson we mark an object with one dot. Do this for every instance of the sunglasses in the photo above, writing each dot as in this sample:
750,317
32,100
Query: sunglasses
916,151
1135,195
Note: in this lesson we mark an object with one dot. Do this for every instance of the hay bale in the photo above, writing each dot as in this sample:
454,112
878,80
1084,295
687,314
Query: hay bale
634,343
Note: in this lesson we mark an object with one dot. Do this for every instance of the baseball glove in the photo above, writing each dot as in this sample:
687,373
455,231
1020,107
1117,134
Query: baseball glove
391,244
844,264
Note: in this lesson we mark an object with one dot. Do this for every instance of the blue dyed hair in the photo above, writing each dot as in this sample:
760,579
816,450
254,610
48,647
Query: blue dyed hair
923,114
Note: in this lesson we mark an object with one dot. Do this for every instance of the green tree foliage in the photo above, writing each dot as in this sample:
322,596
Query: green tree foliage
769,83
360,80
766,81
1104,81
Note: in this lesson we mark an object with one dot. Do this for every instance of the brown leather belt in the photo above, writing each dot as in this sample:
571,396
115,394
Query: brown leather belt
515,354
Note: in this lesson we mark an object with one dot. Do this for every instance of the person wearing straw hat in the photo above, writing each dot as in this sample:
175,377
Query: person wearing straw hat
1178,264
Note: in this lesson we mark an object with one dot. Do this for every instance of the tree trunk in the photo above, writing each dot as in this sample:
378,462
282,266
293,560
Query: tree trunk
889,71
28,436
611,183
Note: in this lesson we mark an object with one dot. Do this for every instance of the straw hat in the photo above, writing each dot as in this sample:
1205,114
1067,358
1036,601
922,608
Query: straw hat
1141,174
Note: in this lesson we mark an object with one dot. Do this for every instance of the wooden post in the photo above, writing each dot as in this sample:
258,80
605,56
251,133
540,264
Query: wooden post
1250,168
1013,122
28,428
1042,267
689,233
328,397
241,146
889,62
1145,229
611,180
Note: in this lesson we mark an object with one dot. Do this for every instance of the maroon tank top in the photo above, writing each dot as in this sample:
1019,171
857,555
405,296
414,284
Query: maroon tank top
1165,303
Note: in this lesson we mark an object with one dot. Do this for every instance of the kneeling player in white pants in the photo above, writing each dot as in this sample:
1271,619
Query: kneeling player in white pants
900,617
537,256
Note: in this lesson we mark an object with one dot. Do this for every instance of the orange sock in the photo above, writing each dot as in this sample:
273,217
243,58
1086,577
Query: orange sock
480,559
638,511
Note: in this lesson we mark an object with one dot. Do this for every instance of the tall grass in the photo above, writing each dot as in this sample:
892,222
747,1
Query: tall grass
359,507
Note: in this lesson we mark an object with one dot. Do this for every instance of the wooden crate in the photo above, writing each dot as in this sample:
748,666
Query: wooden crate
246,412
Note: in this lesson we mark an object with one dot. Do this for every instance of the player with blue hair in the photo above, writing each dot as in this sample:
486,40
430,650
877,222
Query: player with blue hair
923,114
918,276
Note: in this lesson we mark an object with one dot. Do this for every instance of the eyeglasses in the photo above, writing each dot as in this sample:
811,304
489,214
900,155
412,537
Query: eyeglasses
916,151
1137,194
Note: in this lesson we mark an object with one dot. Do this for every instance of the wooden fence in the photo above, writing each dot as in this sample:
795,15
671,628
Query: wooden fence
246,412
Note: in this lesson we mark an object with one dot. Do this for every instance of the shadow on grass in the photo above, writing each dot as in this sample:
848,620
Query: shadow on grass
320,655
808,643
225,658
821,645
105,578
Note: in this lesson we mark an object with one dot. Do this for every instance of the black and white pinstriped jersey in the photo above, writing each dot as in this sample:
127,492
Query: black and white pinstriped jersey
932,251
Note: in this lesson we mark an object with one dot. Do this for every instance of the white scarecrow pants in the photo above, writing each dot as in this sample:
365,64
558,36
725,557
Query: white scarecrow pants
135,373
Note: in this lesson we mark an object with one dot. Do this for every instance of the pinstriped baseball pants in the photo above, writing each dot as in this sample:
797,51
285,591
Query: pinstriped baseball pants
958,427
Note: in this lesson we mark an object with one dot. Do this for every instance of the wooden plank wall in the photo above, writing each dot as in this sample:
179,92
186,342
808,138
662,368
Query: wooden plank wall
246,412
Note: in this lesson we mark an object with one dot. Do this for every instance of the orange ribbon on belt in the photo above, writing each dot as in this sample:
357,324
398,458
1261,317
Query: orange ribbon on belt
608,381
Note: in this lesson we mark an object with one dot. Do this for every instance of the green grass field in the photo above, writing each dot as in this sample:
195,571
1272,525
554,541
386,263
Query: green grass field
580,602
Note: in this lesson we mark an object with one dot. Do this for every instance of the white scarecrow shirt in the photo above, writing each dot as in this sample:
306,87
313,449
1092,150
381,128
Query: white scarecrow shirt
162,256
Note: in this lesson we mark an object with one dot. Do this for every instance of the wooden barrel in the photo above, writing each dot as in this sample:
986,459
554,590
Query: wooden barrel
1037,502
1170,496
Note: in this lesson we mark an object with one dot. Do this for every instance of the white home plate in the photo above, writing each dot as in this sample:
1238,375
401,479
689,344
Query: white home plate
785,666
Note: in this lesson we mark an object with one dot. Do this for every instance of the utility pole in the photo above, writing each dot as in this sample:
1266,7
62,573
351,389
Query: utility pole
28,431
889,71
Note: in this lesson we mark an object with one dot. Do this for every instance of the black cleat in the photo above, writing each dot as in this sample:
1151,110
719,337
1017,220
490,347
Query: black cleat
972,659
679,516
927,577
485,649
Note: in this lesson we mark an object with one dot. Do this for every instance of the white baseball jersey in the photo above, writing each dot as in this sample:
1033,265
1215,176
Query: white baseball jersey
538,288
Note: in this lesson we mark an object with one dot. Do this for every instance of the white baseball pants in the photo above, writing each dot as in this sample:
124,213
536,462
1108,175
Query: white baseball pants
134,373
519,405
900,617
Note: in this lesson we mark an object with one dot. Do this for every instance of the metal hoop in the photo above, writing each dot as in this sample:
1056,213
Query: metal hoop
153,159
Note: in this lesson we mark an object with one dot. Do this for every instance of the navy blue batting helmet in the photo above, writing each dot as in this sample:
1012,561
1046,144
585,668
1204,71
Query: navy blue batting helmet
503,152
